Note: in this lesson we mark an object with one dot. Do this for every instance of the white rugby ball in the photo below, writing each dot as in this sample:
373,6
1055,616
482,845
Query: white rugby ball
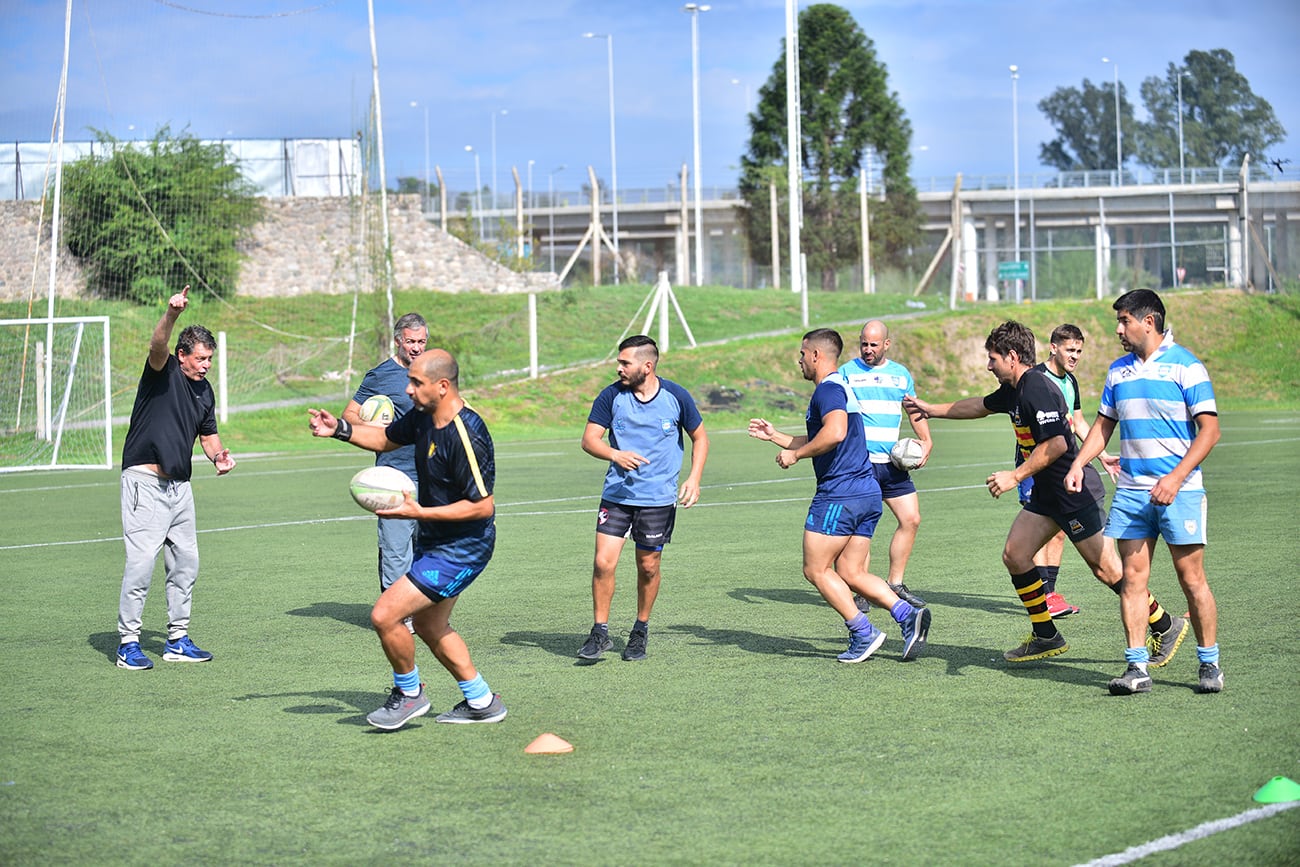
376,488
378,410
907,453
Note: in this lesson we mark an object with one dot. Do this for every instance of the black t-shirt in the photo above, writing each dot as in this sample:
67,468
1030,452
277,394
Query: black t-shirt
170,411
1038,413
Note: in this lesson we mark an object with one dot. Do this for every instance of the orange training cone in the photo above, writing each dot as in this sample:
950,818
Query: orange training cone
1279,790
548,743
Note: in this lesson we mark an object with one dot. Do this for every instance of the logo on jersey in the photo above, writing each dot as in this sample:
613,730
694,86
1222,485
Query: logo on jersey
1046,416
1075,527
433,447
1189,527
667,426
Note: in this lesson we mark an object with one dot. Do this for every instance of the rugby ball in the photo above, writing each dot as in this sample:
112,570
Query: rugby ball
376,488
378,410
907,453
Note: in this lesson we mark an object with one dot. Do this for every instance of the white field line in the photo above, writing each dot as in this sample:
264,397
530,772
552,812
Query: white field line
1173,841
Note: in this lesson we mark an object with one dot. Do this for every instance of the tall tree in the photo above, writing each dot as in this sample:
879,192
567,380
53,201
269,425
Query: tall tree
846,107
1223,119
1084,119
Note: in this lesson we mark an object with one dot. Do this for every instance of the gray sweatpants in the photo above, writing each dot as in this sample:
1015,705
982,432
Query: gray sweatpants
396,542
157,515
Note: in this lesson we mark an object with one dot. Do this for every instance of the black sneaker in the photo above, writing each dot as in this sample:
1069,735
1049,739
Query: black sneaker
1211,678
463,713
635,648
596,644
860,602
1133,680
901,591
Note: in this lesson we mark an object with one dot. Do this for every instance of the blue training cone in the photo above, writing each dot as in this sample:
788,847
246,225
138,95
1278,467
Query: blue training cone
1279,790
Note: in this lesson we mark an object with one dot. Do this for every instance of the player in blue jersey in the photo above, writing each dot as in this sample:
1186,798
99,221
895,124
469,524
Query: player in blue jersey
645,416
1048,445
455,509
847,505
396,535
879,385
1160,398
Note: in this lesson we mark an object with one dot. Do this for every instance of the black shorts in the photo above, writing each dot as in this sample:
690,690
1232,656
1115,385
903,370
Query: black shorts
1078,525
650,527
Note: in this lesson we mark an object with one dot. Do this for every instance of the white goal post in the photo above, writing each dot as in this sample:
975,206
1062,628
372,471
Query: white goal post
56,395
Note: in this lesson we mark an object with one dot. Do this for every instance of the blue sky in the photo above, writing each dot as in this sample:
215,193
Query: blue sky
254,69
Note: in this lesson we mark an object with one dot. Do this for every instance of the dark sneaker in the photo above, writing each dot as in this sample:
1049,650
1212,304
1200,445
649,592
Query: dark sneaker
1034,647
596,644
1058,607
915,630
1132,680
399,709
862,645
184,650
130,656
635,648
463,713
1161,646
860,602
1211,678
901,591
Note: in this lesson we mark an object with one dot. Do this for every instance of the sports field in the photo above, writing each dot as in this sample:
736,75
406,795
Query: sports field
739,741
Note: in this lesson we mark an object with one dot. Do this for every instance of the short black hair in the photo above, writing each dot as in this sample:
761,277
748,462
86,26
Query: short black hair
195,335
1141,303
637,341
1065,332
826,337
1009,336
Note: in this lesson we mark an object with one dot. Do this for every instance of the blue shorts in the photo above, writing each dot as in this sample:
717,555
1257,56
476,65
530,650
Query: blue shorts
439,578
858,517
893,481
1134,516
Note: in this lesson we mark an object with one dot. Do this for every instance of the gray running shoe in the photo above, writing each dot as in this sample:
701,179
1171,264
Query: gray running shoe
1161,646
596,644
1034,647
860,602
1211,678
463,713
635,649
1132,680
901,591
399,709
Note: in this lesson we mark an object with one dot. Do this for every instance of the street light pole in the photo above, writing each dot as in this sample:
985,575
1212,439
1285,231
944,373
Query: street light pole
695,9
424,194
613,149
478,191
1181,177
494,153
550,202
1015,171
1119,133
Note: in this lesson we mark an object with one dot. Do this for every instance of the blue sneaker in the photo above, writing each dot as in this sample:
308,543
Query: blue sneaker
862,645
130,656
184,650
915,630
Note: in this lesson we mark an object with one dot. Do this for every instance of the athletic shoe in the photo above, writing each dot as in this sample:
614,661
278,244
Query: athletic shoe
862,645
1161,646
635,648
184,650
915,630
596,644
901,591
1211,678
1132,680
860,602
130,656
1034,647
1058,607
463,713
399,709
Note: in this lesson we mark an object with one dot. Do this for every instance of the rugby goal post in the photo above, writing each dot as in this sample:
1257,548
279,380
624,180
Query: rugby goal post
56,396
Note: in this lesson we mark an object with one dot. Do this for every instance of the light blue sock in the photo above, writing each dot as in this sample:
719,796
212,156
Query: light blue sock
408,683
901,611
860,625
476,692
1138,656
1208,654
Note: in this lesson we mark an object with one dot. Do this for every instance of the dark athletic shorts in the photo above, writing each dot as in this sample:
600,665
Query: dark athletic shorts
650,527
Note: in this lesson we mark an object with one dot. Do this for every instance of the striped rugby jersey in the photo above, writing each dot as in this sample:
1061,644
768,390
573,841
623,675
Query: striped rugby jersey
1156,403
879,392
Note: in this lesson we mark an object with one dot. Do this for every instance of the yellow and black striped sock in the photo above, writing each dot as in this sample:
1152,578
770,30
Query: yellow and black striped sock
1029,587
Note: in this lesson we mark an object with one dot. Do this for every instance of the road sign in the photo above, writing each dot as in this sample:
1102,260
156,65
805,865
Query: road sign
1013,270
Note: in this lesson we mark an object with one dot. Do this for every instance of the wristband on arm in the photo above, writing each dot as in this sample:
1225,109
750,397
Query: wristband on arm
343,431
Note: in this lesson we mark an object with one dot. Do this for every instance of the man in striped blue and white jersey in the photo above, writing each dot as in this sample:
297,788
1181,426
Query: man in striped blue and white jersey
879,384
1160,397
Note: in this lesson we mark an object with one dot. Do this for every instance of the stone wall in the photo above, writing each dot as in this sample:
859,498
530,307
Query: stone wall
302,246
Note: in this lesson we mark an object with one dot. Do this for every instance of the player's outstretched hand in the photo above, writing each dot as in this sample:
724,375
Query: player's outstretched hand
224,462
322,424
761,429
180,300
916,409
1110,463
